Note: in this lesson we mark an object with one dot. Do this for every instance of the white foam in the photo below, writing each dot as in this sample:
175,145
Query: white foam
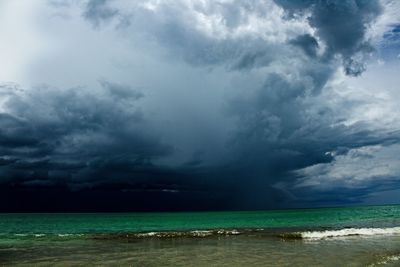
228,232
39,235
147,234
20,234
201,233
67,235
350,232
194,233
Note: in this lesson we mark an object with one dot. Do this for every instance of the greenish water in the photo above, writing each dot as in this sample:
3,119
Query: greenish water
351,236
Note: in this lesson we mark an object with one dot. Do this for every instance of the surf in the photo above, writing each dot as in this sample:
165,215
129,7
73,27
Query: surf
348,232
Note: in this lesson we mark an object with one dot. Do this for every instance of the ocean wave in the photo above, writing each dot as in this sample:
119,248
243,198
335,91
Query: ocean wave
196,233
125,235
69,235
47,235
20,234
347,232
291,234
168,234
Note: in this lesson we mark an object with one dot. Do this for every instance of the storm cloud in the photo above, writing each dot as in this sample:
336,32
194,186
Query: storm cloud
179,105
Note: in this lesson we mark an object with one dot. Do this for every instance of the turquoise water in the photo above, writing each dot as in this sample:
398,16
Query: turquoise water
351,236
374,216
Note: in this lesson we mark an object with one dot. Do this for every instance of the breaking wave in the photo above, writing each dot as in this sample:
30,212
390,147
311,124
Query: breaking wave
169,234
347,232
305,235
123,235
43,235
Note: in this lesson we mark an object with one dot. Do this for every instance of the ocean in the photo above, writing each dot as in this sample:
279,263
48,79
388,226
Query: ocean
348,236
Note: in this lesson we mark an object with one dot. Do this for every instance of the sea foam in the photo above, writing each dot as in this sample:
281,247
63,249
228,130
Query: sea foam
350,232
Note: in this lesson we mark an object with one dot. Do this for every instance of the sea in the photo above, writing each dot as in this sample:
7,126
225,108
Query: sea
345,236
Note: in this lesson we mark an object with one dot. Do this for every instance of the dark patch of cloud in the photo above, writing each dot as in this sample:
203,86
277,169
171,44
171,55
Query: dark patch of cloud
341,25
119,91
307,43
389,47
99,11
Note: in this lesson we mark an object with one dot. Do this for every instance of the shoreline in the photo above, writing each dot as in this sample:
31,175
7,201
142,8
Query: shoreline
287,233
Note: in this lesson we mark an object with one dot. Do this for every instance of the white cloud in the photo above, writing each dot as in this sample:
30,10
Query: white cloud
358,168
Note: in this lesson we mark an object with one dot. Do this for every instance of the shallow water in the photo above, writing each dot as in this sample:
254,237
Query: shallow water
211,251
365,236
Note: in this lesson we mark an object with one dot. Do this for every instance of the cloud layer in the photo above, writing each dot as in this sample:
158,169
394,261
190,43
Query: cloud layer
185,104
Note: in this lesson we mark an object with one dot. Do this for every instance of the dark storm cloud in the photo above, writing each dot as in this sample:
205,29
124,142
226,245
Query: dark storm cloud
73,131
94,144
83,146
341,25
280,132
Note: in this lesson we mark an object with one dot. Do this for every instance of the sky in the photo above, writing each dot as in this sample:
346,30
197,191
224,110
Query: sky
173,105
